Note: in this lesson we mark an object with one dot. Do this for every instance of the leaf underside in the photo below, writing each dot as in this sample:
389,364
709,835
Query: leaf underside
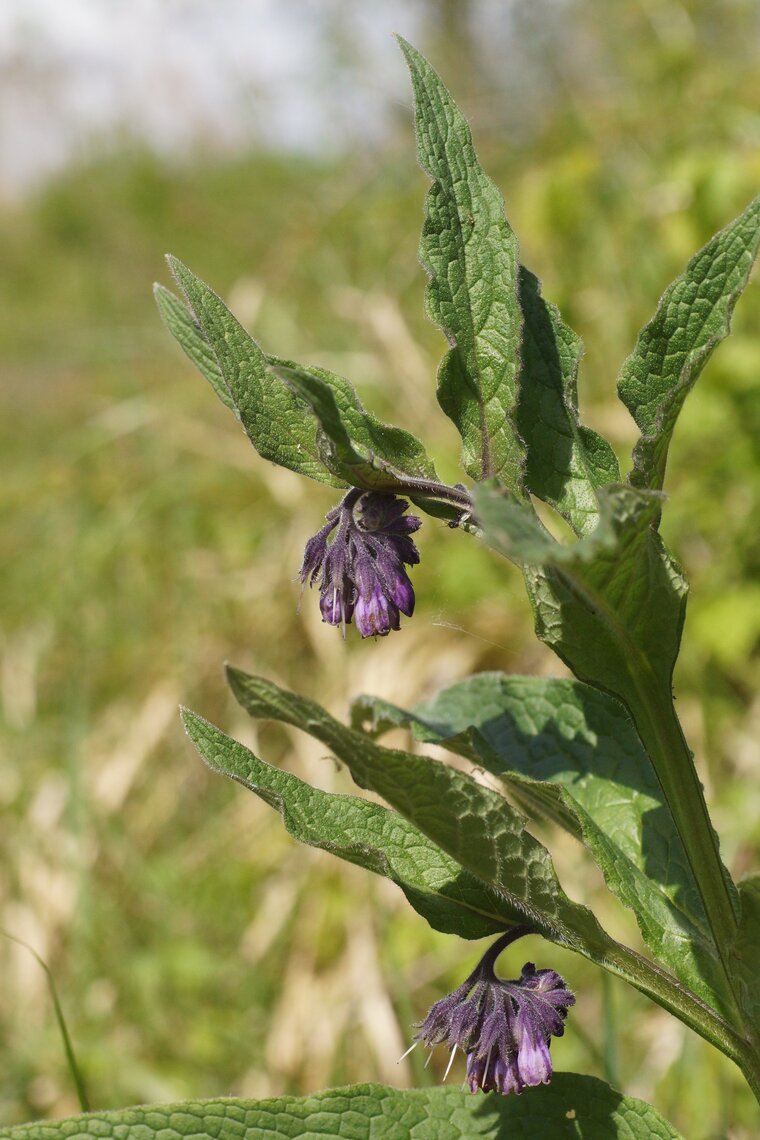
571,753
363,833
472,824
567,463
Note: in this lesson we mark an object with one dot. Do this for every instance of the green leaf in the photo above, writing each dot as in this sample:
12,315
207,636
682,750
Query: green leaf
566,462
692,318
479,829
572,1107
189,335
364,833
397,449
612,604
359,449
470,255
309,420
473,824
571,752
280,426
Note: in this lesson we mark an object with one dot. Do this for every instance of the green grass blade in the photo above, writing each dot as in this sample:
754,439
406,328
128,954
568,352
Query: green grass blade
68,1046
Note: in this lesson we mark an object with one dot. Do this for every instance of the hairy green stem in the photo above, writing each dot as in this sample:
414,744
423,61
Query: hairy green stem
663,738
458,496
677,999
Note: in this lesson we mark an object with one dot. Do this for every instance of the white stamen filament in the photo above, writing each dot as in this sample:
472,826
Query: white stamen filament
451,1062
485,1070
413,1045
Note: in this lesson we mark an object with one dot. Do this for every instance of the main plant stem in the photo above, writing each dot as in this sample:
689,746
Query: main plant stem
663,737
663,988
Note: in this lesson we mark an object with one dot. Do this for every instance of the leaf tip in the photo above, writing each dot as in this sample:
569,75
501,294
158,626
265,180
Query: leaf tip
236,679
177,268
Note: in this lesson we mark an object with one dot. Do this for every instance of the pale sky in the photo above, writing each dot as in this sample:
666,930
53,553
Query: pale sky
74,74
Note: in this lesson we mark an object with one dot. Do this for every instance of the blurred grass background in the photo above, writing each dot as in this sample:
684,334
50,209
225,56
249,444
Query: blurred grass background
196,949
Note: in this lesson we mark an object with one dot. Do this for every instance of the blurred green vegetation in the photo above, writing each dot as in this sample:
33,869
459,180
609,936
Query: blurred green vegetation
196,950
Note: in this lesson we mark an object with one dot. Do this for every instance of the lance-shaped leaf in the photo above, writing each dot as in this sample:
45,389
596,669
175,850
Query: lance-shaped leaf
470,255
335,398
471,823
572,1107
451,899
484,834
571,752
693,316
361,450
566,462
189,335
310,420
278,423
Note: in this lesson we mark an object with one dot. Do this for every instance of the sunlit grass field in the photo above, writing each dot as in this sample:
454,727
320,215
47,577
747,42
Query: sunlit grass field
197,951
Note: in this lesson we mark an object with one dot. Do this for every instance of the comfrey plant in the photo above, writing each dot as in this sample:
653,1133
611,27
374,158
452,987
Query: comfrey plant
594,755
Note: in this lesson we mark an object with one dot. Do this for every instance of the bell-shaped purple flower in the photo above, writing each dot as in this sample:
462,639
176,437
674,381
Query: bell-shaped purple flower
357,559
504,1027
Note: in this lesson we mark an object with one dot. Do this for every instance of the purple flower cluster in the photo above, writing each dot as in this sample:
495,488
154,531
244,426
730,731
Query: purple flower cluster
358,559
504,1027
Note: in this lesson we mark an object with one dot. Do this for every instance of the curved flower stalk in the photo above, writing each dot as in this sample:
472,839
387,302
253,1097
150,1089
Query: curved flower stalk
504,1027
358,560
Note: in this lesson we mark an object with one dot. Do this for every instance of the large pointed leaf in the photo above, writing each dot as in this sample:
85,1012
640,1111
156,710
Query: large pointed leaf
571,750
470,822
477,828
310,420
693,317
566,462
393,447
572,1107
364,452
189,335
280,426
364,833
470,255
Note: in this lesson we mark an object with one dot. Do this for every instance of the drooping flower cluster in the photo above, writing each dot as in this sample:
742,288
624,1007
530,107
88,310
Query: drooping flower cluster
358,559
504,1027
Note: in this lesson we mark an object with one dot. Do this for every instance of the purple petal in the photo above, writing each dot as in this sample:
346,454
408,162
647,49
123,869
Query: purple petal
402,594
336,610
375,615
533,1058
